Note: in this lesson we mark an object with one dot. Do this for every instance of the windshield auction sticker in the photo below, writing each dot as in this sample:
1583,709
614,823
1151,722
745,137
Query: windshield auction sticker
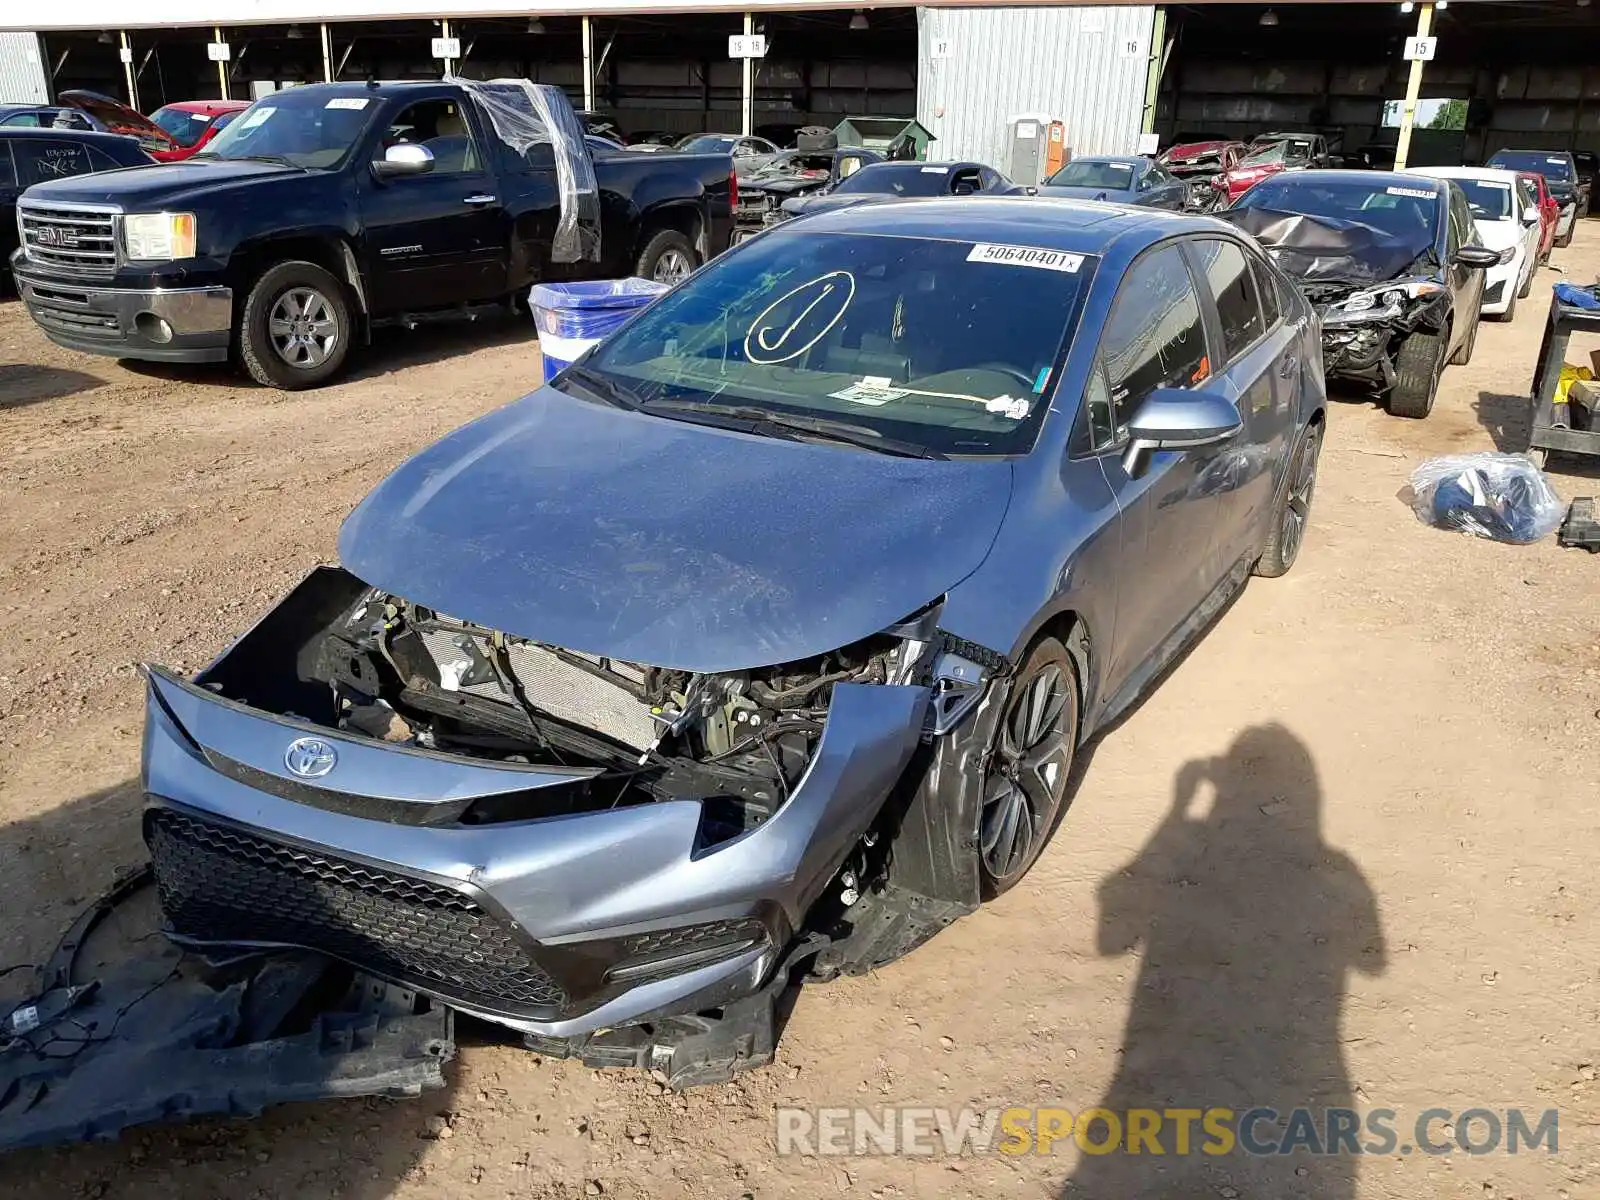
1026,256
1414,193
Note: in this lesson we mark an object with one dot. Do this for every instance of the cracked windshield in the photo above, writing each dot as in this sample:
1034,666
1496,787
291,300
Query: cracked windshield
913,341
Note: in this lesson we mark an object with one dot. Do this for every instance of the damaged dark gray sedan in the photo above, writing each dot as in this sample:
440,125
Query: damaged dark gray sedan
1393,264
763,639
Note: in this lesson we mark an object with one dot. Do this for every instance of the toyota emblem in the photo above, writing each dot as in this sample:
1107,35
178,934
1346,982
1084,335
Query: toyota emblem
310,757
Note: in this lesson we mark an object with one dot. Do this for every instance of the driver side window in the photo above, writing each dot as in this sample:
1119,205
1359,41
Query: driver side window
1153,338
440,127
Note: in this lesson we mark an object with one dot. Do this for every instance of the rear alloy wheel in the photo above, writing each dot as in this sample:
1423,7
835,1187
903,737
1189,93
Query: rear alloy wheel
1417,369
668,258
1292,513
1030,766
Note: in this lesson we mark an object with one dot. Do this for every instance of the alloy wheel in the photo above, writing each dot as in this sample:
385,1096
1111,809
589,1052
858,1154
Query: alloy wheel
672,267
1028,777
304,327
1297,506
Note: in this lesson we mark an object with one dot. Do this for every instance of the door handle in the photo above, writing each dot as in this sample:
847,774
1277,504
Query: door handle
1288,367
479,198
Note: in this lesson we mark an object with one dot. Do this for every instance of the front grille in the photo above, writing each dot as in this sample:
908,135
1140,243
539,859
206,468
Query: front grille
221,884
79,241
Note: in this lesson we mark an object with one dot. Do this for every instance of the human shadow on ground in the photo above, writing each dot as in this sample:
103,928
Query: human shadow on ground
1247,925
359,1149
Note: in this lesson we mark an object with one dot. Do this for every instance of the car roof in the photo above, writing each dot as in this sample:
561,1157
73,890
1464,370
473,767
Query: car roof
1133,160
1071,226
1378,179
208,106
1492,174
92,136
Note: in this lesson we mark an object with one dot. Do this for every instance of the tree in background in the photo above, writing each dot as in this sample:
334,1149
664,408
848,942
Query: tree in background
1451,115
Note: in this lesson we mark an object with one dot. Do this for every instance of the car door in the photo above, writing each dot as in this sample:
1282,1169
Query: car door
1155,336
1258,368
1172,190
437,238
1465,283
9,191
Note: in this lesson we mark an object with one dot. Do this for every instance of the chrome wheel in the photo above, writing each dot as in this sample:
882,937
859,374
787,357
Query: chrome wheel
1028,776
304,327
1297,503
673,266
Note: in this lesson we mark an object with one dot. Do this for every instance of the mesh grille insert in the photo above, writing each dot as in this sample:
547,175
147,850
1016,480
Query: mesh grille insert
220,884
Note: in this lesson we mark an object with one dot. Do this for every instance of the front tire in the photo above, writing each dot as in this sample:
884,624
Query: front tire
295,330
1029,768
1292,513
1417,370
668,258
1463,354
1511,307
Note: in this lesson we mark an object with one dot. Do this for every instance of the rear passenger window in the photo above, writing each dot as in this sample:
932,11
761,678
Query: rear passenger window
1153,337
1233,284
1267,287
40,160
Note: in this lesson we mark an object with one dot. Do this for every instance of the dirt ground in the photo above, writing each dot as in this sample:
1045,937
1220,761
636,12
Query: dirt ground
1343,856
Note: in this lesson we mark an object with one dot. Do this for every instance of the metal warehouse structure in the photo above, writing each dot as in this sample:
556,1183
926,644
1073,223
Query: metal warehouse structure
1528,71
660,65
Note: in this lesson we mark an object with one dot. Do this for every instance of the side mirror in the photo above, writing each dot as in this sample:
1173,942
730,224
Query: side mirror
1479,258
1530,217
406,159
1336,160
1031,190
1177,419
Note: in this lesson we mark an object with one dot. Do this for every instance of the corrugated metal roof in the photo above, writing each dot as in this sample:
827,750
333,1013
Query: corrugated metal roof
1081,65
22,78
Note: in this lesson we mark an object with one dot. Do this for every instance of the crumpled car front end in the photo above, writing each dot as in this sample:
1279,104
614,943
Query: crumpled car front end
1362,326
556,842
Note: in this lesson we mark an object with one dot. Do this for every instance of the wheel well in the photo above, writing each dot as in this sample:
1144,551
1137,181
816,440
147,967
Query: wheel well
1069,629
331,255
683,219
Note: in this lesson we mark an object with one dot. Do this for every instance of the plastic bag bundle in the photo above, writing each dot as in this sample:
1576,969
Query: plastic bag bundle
526,114
1499,496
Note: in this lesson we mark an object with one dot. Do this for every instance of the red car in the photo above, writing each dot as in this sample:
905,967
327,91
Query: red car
1200,162
1549,212
193,123
1269,154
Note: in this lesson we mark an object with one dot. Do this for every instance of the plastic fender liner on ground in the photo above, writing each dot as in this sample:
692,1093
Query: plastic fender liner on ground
168,1036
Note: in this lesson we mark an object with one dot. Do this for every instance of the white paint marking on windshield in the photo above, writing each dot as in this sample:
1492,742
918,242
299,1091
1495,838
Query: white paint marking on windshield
836,288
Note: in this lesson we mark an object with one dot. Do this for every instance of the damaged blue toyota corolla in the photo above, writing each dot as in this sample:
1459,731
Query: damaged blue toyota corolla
761,640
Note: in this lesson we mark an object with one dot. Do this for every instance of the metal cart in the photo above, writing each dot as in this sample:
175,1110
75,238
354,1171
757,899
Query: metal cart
1547,436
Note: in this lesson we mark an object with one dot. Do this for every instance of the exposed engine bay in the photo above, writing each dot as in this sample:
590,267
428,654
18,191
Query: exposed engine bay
377,665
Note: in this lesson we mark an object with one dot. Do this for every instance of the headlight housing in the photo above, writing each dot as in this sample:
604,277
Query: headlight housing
1382,303
158,237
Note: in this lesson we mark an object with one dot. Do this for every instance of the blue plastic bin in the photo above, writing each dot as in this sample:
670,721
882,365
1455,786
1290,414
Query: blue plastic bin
571,317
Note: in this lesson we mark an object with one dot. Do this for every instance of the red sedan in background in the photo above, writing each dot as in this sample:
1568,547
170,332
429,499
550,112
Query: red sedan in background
1549,212
193,123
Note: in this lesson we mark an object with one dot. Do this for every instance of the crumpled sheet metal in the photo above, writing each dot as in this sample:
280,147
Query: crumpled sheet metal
1325,250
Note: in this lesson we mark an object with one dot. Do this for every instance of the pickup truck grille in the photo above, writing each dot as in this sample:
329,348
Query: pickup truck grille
77,240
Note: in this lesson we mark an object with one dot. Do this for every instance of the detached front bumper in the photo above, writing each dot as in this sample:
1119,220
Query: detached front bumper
160,324
556,926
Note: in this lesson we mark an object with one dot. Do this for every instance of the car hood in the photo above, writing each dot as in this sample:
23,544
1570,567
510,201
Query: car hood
1499,235
1327,250
162,185
661,542
782,185
814,204
1112,195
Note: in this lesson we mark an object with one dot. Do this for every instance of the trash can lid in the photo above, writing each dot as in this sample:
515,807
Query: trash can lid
593,294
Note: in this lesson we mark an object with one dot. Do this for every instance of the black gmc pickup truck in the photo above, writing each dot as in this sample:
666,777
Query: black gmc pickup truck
326,209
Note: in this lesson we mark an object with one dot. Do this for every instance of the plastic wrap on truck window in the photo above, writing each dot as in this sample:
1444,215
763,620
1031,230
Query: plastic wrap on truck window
526,114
